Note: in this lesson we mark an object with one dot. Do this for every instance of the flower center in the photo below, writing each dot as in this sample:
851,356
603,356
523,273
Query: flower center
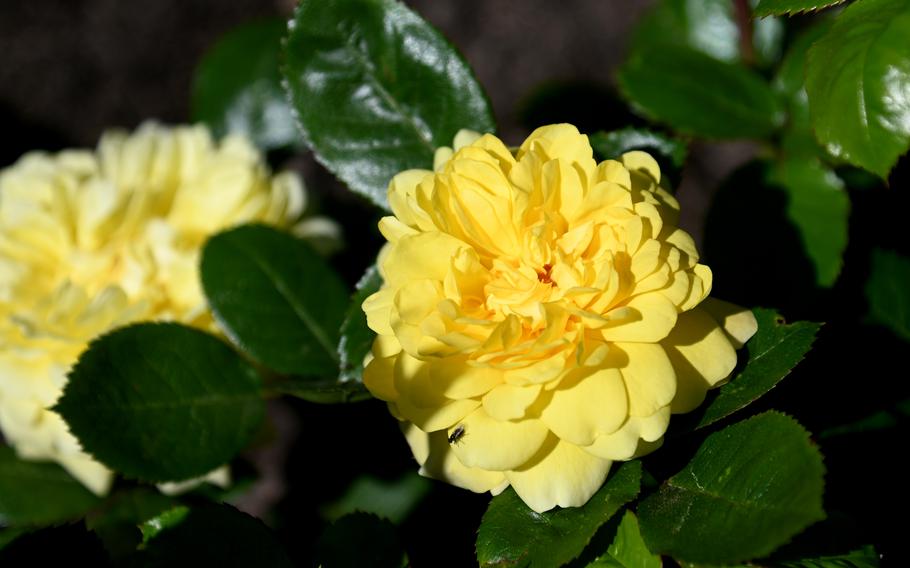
544,276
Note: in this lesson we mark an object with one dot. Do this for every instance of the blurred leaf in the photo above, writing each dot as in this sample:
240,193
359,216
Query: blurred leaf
864,558
770,356
819,207
237,88
356,337
275,298
790,7
749,489
163,521
670,152
358,540
214,535
881,420
162,402
696,94
707,26
511,534
8,535
117,520
377,90
628,549
393,500
888,293
34,494
48,546
858,83
323,391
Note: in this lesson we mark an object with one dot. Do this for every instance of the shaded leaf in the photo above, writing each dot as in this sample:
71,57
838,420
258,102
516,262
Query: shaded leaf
888,293
162,402
511,534
34,493
749,489
696,94
377,90
628,550
790,7
275,298
46,547
323,391
237,87
858,83
356,338
393,500
771,354
670,152
376,539
863,558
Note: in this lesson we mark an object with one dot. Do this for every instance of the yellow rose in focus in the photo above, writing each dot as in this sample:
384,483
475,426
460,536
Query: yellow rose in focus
94,240
541,315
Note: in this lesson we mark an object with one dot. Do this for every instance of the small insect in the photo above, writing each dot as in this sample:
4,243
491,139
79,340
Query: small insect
457,434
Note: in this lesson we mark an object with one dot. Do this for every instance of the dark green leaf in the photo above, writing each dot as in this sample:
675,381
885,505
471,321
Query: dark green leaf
881,420
393,500
275,298
863,558
790,7
888,293
819,207
749,489
214,535
163,521
117,520
628,550
48,546
356,337
237,88
770,356
360,539
377,90
34,494
162,402
670,152
708,26
328,391
8,535
511,534
696,94
858,79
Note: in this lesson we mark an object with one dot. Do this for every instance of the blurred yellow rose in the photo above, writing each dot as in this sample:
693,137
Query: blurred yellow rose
541,315
94,240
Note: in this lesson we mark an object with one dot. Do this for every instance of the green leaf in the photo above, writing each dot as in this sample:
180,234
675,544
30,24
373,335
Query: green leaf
35,494
214,535
323,391
749,489
356,337
696,94
165,520
771,354
865,557
707,26
117,520
670,152
628,550
8,535
887,292
377,90
275,298
858,80
162,402
48,546
237,88
376,543
790,7
393,500
511,534
819,208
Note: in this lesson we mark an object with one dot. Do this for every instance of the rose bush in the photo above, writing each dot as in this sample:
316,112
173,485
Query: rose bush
541,315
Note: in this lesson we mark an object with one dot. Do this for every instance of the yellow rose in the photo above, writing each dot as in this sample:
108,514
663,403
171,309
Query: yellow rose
94,240
541,315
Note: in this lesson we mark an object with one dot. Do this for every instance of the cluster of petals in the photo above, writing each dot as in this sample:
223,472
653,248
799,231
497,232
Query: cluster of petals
541,316
93,240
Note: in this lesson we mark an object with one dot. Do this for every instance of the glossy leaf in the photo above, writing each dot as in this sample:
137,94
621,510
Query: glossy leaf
275,298
214,535
162,402
35,494
858,80
696,94
377,90
356,338
670,152
749,489
863,558
887,291
770,355
707,26
628,549
819,208
511,534
790,7
237,88
376,539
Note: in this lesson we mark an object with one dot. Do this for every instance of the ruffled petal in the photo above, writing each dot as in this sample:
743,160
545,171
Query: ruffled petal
497,445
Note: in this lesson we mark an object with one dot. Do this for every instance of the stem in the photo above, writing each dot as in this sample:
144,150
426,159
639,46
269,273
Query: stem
744,22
